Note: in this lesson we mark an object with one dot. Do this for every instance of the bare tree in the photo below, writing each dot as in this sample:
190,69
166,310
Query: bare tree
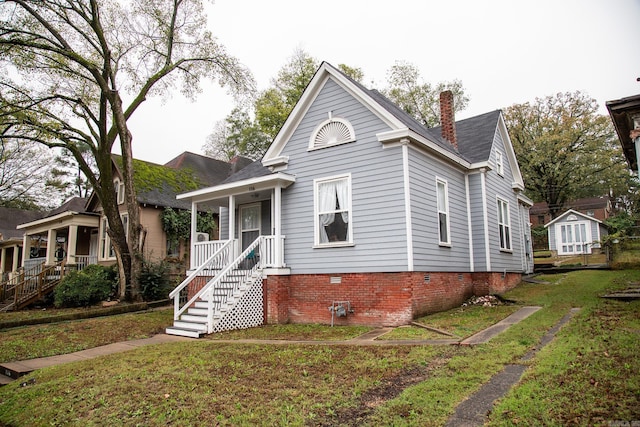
77,70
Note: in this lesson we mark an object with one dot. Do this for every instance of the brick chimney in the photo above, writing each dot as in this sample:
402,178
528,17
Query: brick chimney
447,118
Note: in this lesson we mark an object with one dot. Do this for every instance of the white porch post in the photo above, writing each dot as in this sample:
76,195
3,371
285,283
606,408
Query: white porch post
277,198
72,242
3,259
26,248
16,253
51,247
194,230
232,223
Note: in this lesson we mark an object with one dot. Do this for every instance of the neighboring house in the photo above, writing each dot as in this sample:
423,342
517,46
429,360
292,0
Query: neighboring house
359,214
574,233
599,208
11,238
76,232
625,114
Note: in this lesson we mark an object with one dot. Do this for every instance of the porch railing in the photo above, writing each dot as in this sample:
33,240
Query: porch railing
207,269
271,254
82,261
202,251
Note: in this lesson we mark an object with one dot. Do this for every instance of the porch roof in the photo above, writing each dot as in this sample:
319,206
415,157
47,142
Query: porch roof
235,188
61,220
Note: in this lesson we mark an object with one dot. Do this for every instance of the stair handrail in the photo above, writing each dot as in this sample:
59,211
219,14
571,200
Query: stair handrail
217,279
175,294
41,282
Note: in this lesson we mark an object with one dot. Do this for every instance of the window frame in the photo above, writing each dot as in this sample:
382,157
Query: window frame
443,210
316,212
105,240
499,163
351,137
504,229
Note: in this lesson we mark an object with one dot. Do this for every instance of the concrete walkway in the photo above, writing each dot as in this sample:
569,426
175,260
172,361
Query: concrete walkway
14,370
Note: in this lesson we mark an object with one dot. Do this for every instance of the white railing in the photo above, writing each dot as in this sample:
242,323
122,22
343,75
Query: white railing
82,261
213,264
269,252
202,251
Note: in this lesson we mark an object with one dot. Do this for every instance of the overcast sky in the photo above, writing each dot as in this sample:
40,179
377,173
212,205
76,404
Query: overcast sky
504,52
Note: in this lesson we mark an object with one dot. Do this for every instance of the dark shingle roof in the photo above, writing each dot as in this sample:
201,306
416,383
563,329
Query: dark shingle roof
475,136
75,204
254,170
10,218
209,171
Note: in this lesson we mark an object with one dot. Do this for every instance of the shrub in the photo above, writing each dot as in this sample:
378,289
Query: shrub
154,281
83,288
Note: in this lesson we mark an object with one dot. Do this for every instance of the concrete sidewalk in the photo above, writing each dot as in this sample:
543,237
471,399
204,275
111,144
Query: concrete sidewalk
13,370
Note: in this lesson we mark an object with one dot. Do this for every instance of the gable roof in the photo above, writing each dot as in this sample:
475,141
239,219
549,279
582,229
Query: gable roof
158,185
576,213
475,135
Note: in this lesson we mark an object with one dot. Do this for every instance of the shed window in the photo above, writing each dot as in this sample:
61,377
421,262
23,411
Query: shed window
332,198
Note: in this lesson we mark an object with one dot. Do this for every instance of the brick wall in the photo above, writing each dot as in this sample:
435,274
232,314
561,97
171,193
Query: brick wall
377,299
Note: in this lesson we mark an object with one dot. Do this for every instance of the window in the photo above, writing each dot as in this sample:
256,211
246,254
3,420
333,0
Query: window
541,219
443,211
504,225
106,248
334,131
119,191
499,163
332,201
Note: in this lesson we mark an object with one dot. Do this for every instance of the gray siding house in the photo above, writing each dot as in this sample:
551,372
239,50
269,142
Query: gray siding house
358,214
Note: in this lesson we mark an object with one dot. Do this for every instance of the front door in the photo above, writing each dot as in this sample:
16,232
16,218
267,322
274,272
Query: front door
249,224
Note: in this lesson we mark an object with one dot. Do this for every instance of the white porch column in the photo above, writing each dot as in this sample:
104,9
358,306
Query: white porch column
277,222
72,242
194,230
3,259
232,223
16,254
26,248
51,247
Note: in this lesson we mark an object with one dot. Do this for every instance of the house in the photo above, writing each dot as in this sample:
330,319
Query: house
76,232
358,214
599,208
575,233
11,238
625,114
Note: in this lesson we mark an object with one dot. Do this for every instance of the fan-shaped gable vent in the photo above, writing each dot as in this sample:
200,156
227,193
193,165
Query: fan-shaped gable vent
331,132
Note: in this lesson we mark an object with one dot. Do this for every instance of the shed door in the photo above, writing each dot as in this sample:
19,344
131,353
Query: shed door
573,239
249,224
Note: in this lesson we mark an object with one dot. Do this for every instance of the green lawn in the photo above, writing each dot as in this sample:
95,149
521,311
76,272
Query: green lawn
587,376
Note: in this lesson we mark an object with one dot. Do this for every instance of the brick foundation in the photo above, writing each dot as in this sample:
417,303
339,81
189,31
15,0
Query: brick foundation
378,299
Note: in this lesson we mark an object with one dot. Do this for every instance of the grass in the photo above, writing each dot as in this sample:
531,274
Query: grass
208,382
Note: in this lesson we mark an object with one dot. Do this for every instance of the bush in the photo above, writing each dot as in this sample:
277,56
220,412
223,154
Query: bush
83,288
154,281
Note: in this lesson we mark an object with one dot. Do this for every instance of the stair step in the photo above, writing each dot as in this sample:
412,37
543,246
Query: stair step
4,380
184,332
187,317
197,311
187,324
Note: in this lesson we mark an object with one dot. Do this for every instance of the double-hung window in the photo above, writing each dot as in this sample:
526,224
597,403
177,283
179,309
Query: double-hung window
443,212
499,163
332,201
504,225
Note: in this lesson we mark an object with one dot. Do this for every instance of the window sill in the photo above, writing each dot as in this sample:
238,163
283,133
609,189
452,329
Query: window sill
506,251
334,245
444,245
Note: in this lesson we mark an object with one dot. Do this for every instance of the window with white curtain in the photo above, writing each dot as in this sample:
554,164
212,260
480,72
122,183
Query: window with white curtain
443,211
332,199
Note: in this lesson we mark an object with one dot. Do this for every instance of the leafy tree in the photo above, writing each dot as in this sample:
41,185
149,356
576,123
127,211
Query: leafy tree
67,177
79,69
24,168
249,132
418,98
565,149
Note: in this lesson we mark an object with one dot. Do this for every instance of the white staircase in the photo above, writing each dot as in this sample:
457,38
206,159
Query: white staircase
231,299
